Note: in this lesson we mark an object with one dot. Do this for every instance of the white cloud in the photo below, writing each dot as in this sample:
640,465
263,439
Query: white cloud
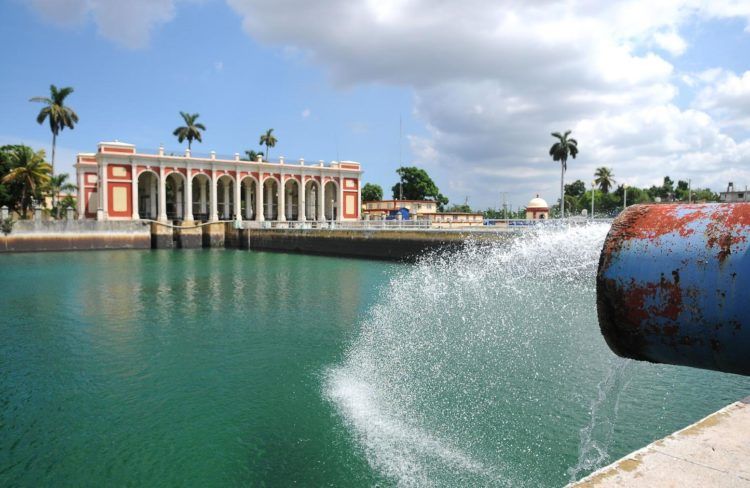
305,113
491,79
128,23
671,42
219,66
727,95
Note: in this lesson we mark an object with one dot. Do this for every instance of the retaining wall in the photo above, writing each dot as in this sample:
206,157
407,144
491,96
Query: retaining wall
74,235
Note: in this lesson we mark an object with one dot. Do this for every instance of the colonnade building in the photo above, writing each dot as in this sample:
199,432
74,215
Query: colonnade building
119,183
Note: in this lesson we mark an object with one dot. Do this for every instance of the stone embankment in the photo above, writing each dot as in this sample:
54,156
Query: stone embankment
393,244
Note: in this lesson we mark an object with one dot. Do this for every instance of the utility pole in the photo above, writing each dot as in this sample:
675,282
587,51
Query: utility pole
690,192
593,186
401,179
505,207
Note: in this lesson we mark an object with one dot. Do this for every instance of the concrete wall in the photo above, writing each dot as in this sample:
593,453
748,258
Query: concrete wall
73,235
377,244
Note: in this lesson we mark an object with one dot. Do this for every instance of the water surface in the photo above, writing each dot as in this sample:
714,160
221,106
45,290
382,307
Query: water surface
236,368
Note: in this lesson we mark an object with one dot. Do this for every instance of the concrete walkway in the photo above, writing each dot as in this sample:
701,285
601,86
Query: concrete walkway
713,452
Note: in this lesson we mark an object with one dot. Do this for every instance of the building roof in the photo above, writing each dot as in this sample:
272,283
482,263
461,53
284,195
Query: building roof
537,203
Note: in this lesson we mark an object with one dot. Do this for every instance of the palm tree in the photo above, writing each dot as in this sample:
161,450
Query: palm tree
560,151
605,178
56,185
30,172
269,140
252,155
190,131
59,115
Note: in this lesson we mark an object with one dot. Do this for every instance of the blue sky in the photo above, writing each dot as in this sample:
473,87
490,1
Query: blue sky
649,89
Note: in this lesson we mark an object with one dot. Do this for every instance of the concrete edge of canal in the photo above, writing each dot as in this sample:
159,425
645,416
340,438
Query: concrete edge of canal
389,244
711,452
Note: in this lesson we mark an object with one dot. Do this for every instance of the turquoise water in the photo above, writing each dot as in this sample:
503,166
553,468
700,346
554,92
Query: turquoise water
236,368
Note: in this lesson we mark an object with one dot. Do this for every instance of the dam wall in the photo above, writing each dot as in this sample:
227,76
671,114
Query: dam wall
75,235
389,244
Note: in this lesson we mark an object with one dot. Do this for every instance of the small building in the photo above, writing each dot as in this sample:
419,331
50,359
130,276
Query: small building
119,183
453,219
537,209
380,209
732,195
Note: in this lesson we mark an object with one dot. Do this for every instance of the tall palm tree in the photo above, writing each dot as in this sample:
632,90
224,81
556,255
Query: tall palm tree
190,131
30,171
269,140
58,114
252,155
560,151
56,185
605,178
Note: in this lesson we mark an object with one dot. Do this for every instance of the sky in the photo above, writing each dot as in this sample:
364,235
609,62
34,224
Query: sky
469,90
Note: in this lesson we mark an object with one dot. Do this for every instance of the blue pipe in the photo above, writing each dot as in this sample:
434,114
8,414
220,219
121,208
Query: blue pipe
673,285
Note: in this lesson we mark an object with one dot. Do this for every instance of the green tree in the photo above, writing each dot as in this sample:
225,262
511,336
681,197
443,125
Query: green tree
56,185
191,130
30,171
268,140
575,189
463,208
57,113
252,155
605,179
560,151
416,184
372,193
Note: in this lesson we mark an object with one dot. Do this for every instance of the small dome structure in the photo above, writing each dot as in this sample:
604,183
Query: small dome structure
537,203
537,209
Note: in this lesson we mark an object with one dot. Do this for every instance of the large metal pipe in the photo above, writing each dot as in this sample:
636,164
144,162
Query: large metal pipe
673,285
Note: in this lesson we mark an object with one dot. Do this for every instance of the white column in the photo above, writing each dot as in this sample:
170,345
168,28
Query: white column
321,201
103,190
81,195
301,202
153,194
203,183
189,196
282,199
225,196
340,200
237,205
259,199
162,195
269,199
214,216
248,200
134,191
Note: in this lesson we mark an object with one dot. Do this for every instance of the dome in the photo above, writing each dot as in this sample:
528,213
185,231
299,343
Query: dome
537,203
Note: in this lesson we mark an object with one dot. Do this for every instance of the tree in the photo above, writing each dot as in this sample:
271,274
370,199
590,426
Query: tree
57,113
605,179
269,140
191,130
372,193
560,151
463,208
56,185
252,155
416,184
30,172
575,189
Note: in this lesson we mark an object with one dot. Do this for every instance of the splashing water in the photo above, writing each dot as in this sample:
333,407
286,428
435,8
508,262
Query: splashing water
479,367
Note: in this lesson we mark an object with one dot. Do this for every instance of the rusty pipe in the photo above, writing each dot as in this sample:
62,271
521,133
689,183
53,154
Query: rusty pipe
673,285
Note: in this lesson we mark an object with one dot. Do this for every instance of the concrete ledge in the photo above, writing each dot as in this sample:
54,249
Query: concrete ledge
711,452
377,244
162,237
213,235
189,237
73,235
